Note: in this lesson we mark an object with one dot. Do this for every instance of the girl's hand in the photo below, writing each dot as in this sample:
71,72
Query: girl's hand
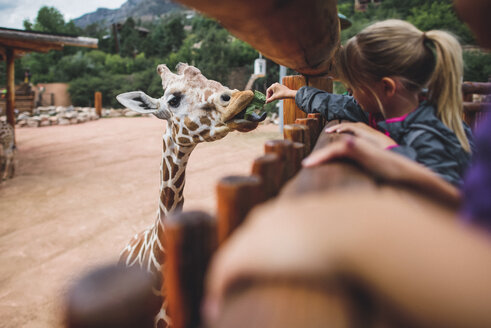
278,91
365,132
366,153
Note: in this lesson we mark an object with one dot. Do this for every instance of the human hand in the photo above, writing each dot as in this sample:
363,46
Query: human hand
365,132
364,152
278,91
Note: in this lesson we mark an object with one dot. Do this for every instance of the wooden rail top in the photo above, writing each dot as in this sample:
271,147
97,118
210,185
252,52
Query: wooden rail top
302,35
298,303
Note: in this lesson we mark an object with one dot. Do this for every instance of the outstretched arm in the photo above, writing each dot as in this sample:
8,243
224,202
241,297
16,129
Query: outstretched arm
427,266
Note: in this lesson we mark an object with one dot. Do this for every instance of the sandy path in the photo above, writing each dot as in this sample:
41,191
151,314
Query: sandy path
81,192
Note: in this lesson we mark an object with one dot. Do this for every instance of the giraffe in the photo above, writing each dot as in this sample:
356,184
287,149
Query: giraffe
7,149
196,110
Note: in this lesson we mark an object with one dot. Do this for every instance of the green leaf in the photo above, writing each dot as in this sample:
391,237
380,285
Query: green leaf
257,103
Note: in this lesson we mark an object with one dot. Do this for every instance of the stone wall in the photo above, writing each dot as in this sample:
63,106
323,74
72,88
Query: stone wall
60,115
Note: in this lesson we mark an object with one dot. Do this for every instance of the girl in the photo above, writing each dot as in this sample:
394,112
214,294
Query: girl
386,66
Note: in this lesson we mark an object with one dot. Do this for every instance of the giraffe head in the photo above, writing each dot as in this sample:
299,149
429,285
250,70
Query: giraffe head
197,109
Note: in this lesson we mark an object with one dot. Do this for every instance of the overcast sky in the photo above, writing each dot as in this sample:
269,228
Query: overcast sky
13,12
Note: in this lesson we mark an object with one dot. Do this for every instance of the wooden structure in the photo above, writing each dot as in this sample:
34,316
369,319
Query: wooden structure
303,37
474,111
299,35
15,43
24,99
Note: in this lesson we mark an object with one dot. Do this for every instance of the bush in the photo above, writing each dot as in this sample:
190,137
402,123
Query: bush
477,66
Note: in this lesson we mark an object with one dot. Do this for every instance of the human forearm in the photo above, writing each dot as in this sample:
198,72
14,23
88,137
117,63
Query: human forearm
426,266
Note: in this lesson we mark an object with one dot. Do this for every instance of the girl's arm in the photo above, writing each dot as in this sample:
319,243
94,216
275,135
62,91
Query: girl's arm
312,100
387,165
424,265
331,106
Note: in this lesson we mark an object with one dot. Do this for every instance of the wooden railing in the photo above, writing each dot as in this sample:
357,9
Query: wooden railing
193,237
474,111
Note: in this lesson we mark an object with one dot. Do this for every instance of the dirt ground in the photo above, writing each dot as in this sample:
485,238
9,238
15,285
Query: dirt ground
81,192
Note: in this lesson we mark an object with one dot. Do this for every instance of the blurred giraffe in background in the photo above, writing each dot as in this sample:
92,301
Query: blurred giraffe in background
7,149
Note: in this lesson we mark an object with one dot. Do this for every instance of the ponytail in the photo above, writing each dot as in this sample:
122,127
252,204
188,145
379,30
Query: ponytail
444,85
397,48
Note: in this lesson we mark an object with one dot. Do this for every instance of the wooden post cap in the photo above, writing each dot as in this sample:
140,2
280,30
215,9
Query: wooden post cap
236,195
270,168
112,296
190,241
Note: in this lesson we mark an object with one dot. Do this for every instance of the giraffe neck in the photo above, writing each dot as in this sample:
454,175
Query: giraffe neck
172,174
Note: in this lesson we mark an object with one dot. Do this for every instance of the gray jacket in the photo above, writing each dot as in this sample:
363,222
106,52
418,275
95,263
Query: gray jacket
421,135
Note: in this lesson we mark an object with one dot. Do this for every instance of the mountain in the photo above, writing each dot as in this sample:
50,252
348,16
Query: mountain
138,9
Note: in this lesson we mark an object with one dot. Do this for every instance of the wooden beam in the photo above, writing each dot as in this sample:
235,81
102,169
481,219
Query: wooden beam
10,87
301,35
30,46
44,38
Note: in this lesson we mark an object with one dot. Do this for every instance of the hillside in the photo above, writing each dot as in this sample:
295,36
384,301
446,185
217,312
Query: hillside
138,9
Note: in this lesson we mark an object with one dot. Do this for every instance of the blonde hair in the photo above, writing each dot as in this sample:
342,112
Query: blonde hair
395,48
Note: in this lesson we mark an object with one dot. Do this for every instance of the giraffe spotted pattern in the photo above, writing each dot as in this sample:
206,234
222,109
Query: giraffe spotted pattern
7,151
196,110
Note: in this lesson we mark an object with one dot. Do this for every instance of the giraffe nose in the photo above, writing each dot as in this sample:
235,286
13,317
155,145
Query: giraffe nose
238,101
225,97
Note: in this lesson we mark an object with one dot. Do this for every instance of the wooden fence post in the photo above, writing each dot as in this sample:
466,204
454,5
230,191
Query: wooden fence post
270,168
284,150
190,241
112,297
98,103
298,133
313,126
10,103
320,120
298,155
290,109
236,195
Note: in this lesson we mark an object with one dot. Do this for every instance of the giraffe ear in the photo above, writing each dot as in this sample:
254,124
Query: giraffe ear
142,103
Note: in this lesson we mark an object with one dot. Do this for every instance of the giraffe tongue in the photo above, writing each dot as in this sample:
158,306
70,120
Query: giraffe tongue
251,117
257,118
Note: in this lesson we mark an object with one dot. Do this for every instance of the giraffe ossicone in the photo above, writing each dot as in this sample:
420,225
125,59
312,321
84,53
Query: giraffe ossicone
196,110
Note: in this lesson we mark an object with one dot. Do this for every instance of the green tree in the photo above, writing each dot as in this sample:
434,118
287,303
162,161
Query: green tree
130,44
50,20
440,15
477,66
167,36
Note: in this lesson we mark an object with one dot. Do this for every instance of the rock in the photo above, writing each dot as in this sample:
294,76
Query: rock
33,122
53,120
63,121
131,114
115,113
70,115
23,116
21,123
74,120
45,123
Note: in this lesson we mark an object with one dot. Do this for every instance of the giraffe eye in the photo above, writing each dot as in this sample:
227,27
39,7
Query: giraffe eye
175,100
225,97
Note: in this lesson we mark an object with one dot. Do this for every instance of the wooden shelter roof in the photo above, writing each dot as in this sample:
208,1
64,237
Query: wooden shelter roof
27,41
301,35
